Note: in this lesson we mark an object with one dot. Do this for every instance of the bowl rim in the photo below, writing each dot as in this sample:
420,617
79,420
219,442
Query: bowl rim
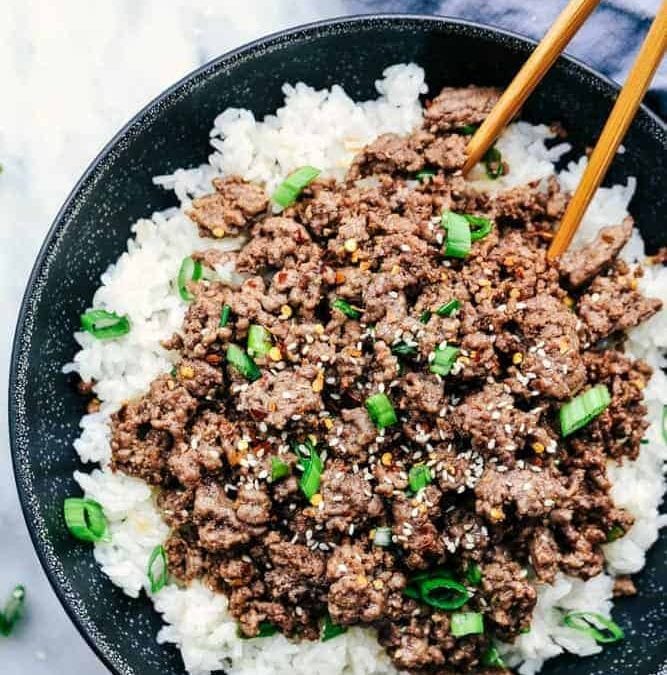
23,334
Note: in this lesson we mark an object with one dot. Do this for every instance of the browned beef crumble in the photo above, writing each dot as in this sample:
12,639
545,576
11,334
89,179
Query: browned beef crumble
508,493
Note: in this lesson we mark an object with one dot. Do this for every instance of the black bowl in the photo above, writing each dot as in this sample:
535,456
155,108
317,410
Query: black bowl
92,228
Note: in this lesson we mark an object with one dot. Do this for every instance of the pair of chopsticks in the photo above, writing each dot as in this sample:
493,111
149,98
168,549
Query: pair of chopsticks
622,114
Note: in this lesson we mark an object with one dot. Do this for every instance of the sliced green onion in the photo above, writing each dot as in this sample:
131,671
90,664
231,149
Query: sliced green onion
191,270
224,316
259,340
492,659
289,190
466,623
303,450
238,359
312,474
493,162
380,410
599,627
644,441
382,537
158,572
443,360
422,175
266,629
279,469
443,593
616,532
331,630
104,325
524,631
664,423
584,408
412,588
419,477
425,316
479,226
448,308
458,240
85,519
12,611
403,349
349,310
474,575
468,129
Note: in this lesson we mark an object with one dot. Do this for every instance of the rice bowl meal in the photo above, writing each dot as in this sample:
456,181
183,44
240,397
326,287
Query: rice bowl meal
345,415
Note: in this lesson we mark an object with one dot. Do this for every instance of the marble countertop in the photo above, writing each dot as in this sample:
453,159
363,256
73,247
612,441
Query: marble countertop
72,73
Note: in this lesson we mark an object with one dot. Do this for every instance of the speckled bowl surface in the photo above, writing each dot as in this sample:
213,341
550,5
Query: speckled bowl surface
92,228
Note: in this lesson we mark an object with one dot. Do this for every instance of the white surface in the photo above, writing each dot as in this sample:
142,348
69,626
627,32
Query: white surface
72,73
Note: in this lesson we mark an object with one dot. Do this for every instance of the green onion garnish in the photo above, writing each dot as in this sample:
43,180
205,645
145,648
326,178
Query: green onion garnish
493,162
492,659
237,358
12,611
664,423
422,175
191,270
443,360
403,349
616,532
479,226
259,340
458,240
448,308
158,572
419,477
443,593
289,190
104,325
425,316
584,408
224,316
468,129
330,630
382,537
266,629
597,626
312,473
279,469
85,519
474,575
466,623
380,410
349,310
412,589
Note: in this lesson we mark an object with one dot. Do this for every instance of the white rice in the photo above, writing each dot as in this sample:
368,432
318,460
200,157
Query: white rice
325,128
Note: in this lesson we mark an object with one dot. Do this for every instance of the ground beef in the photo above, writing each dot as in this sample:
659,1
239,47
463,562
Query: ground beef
387,154
455,108
278,399
528,493
580,265
624,586
279,488
612,303
230,208
510,595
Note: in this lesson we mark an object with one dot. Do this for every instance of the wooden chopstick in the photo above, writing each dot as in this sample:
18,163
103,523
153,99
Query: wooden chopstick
537,65
622,114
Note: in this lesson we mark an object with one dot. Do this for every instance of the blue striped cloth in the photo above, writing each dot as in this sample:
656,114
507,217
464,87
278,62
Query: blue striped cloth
608,41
